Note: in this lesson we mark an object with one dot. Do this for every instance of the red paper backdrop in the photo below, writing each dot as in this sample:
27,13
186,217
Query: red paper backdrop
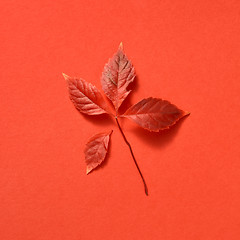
184,51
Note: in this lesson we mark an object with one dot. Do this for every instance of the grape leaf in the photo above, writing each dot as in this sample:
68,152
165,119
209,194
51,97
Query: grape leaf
96,150
154,114
118,73
86,97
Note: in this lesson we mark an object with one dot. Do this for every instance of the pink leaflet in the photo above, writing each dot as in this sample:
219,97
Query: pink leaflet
118,73
86,97
96,150
154,114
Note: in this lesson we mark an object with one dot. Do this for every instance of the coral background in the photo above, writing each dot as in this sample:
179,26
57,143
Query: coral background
184,51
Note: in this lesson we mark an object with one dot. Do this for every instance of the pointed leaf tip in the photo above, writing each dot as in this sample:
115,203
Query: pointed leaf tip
65,76
88,170
120,46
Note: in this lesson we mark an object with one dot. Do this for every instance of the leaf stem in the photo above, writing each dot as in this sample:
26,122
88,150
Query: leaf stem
126,141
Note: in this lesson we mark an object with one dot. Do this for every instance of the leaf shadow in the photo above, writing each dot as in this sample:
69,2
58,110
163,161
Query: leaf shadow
101,120
159,139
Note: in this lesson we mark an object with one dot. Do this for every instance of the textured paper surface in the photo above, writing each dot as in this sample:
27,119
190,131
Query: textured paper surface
184,51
